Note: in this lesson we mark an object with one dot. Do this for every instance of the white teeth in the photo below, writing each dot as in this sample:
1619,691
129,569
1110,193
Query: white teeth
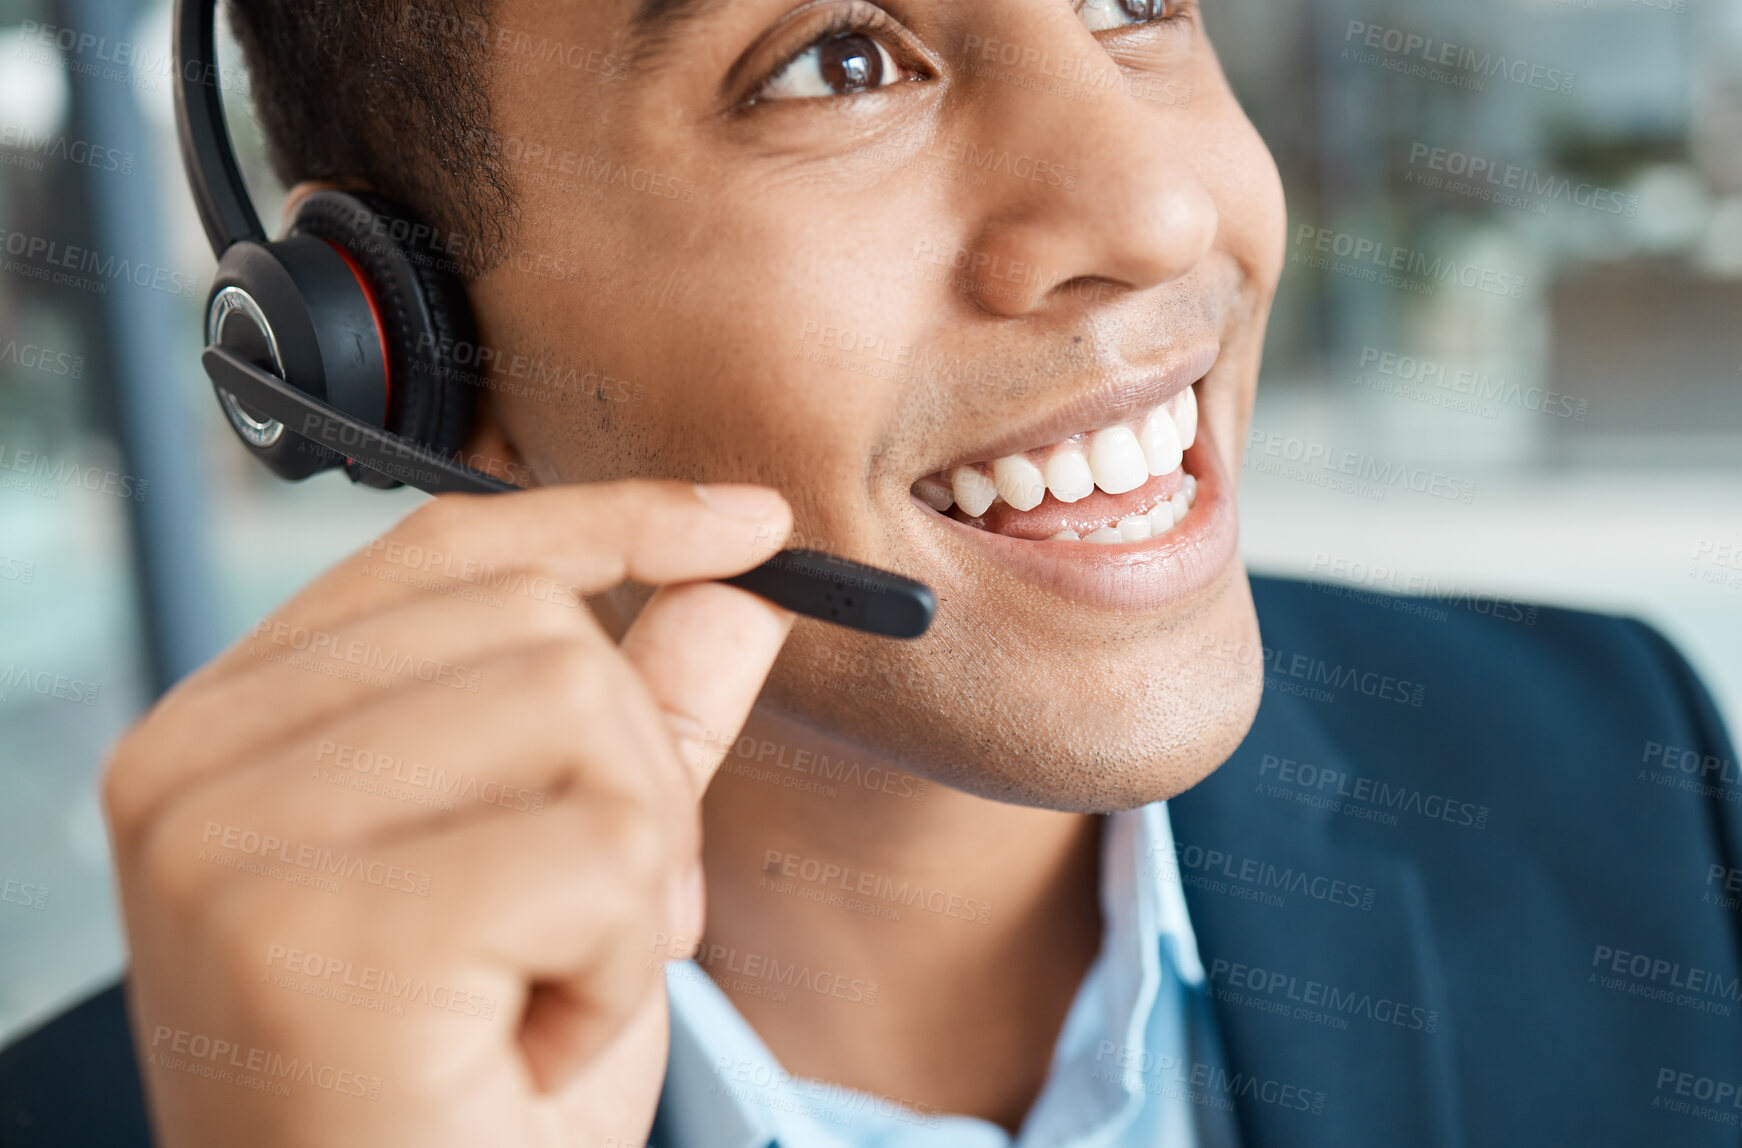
1185,416
1161,442
1117,460
1068,475
935,494
1019,482
974,491
1140,527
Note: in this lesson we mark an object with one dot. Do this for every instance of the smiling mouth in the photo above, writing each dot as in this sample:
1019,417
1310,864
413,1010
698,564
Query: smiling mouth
1123,483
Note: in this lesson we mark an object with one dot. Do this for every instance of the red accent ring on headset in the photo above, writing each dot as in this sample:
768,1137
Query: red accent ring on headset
380,327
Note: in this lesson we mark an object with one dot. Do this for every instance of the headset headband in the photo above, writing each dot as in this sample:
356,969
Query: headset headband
207,155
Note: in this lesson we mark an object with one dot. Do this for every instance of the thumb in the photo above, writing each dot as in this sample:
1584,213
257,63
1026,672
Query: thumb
704,650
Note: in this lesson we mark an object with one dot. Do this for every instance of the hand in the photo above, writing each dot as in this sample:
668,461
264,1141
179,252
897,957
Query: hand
322,954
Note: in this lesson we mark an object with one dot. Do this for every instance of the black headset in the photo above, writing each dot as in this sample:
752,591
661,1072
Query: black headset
354,307
334,347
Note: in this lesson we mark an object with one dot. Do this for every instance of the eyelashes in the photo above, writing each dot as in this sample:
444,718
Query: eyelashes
862,48
842,66
849,55
1107,15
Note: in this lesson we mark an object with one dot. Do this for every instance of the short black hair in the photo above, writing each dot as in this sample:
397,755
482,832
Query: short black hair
386,93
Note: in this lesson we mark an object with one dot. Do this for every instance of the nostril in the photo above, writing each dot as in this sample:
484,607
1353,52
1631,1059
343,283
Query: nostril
1093,289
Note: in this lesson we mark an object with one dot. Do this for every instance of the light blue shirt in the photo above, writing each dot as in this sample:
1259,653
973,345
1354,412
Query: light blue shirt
1121,1074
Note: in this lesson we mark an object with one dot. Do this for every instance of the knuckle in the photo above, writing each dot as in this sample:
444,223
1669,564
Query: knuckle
641,503
636,842
645,490
250,925
247,930
123,787
575,673
167,865
585,685
539,600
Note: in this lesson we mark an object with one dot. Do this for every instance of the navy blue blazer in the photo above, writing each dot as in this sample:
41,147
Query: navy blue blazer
1472,880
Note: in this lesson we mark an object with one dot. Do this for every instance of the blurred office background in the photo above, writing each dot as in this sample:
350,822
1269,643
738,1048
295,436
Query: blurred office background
1580,401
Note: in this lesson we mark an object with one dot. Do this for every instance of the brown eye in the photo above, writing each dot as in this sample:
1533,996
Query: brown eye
850,63
1101,15
840,65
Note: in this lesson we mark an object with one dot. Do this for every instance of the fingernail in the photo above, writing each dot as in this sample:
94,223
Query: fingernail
737,500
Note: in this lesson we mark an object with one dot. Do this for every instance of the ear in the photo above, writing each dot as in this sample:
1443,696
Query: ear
489,449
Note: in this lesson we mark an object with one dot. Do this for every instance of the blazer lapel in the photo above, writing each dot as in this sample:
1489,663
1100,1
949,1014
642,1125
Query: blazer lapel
1324,971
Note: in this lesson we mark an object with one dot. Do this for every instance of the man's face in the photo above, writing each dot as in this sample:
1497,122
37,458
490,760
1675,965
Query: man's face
845,249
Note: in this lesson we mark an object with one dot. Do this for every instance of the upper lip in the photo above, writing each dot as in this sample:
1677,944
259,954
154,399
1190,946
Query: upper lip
1114,401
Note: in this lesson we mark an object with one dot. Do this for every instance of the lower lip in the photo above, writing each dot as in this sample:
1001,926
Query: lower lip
1129,577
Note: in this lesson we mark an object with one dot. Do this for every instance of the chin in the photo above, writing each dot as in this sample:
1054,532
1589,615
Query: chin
1113,723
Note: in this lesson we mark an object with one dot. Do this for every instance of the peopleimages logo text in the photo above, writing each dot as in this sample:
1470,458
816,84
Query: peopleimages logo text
1408,261
19,138
41,251
34,358
1525,180
1433,52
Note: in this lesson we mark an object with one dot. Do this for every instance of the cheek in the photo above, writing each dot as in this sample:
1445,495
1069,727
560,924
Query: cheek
1253,237
1249,197
1270,216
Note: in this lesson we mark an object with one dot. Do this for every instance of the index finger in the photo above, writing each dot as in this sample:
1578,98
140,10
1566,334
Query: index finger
581,538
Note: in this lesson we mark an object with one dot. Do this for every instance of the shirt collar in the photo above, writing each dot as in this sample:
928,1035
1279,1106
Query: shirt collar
723,1087
1131,998
699,1108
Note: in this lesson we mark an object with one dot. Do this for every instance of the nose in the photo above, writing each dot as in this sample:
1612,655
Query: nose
1083,198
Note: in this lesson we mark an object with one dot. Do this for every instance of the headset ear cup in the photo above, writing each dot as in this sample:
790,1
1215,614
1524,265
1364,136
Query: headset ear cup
297,309
421,302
